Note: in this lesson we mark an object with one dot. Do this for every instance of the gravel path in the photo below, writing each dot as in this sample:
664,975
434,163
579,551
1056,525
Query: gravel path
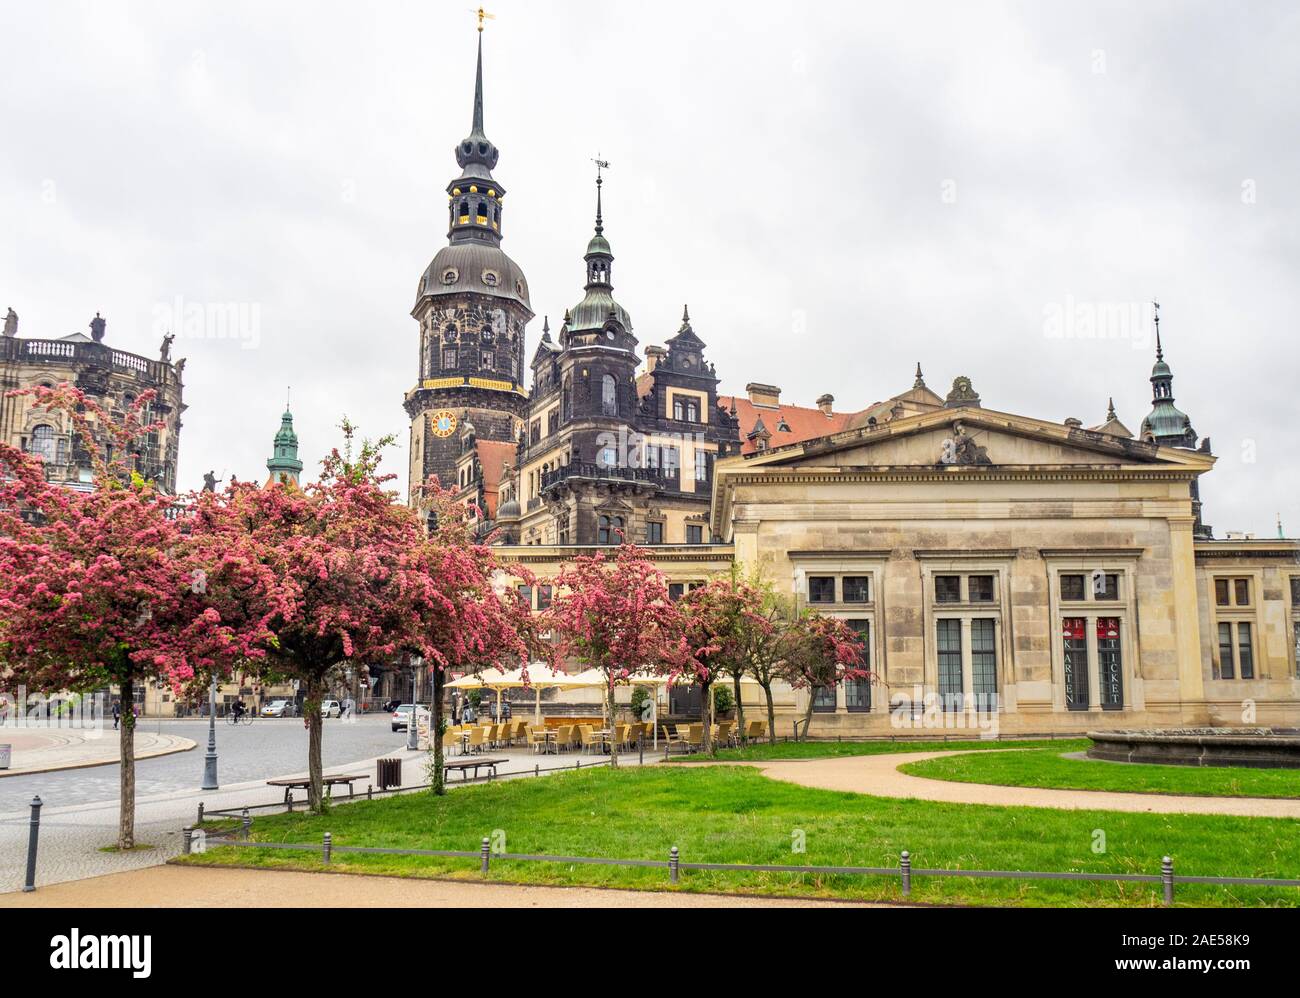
182,887
878,775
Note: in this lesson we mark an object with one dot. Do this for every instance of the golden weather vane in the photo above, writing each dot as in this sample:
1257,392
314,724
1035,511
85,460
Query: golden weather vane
482,16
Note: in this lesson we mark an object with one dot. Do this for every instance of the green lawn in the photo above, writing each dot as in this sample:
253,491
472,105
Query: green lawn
734,814
1045,767
763,751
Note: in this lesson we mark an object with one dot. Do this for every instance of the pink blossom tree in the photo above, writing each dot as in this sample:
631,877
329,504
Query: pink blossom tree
613,613
817,652
111,586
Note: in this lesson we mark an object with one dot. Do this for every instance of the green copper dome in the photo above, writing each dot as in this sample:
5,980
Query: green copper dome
283,464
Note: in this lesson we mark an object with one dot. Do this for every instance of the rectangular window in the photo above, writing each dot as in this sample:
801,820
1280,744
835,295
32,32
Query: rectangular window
857,692
654,533
1109,664
448,358
1226,670
701,465
1295,590
980,588
1221,592
1297,649
669,461
694,533
552,421
949,653
1245,652
984,663
687,410
543,597
947,588
1241,593
608,457
526,594
856,589
1072,587
676,590
824,700
821,589
1075,637
1107,587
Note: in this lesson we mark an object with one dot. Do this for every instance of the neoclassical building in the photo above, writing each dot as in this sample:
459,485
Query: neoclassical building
1003,571
115,378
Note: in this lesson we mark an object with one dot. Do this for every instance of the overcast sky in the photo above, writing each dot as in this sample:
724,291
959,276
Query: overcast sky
838,191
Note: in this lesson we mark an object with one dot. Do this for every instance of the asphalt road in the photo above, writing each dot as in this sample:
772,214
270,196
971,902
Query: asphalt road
268,747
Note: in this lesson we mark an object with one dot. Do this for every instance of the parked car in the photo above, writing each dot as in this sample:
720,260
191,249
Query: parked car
402,716
278,708
330,708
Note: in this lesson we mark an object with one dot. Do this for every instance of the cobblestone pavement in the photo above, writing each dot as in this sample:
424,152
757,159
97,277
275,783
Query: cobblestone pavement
182,887
72,838
40,746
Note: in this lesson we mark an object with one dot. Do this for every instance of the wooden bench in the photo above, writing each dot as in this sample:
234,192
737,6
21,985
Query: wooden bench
303,783
467,764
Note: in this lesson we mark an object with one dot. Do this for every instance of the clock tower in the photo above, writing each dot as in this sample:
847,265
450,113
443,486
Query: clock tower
471,305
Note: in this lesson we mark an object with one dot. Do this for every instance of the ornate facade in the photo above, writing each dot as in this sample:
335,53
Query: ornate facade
114,377
1004,572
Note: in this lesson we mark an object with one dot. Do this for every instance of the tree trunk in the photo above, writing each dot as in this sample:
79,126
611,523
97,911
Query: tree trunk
771,714
706,742
740,707
315,772
435,733
613,729
807,715
126,746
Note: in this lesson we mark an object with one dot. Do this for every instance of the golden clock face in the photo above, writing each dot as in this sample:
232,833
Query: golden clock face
444,423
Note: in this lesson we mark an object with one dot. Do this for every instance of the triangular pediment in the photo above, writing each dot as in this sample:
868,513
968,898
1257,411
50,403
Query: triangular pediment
975,437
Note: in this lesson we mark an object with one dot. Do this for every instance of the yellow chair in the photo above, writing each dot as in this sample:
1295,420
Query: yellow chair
477,739
537,738
722,732
450,741
590,740
563,734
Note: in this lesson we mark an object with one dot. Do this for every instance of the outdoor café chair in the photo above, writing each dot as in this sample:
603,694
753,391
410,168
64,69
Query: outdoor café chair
562,735
450,741
537,739
590,740
477,739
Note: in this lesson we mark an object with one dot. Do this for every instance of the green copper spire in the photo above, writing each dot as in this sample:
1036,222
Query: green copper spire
1165,424
283,464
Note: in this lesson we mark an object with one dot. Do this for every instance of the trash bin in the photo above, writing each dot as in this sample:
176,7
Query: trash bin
6,751
388,773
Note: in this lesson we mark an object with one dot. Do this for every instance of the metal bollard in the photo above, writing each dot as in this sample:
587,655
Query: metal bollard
673,860
1167,878
326,847
905,869
486,852
247,823
199,821
537,769
187,839
289,800
33,836
370,791
640,749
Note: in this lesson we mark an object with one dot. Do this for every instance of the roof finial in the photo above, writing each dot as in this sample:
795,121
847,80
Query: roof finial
920,381
686,315
601,164
1279,527
1160,353
1110,409
287,390
546,325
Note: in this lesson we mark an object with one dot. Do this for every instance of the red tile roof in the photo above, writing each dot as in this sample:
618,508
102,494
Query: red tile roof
800,422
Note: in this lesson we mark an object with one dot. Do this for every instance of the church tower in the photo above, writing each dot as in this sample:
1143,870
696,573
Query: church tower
471,305
284,463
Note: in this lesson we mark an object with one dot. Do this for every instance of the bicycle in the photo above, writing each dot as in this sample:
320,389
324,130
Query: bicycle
245,718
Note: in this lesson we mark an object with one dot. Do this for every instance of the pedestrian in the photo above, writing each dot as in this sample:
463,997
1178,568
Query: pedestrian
467,715
117,713
505,710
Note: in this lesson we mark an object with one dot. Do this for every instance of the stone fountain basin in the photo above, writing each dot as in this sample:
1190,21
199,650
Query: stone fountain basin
1262,748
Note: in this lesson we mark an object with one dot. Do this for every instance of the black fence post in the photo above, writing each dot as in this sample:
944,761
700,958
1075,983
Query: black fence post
673,860
486,853
33,836
905,870
200,818
326,847
247,823
1167,878
187,839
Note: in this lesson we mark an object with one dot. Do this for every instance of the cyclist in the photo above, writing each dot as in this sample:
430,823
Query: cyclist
239,710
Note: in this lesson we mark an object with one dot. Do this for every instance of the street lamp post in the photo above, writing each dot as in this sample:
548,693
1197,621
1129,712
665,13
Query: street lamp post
210,760
413,724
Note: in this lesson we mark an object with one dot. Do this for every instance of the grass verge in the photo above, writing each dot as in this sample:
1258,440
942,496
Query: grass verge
765,751
735,815
1047,768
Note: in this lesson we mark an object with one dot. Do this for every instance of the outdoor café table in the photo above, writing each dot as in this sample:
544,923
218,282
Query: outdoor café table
302,783
551,744
464,765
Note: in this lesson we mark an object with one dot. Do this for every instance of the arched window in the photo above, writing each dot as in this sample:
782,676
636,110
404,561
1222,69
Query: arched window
566,402
610,530
43,442
482,210
608,396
